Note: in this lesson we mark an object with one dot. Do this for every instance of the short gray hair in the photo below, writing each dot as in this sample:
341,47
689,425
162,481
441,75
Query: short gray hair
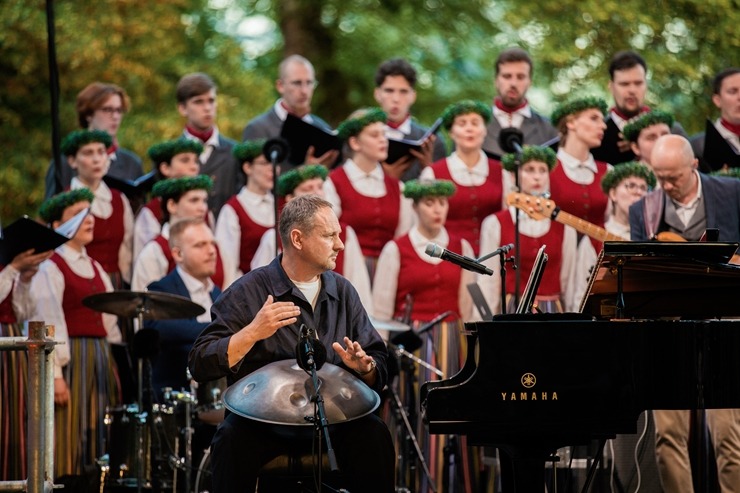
300,214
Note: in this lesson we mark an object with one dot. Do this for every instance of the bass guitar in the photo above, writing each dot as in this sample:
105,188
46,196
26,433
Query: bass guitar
541,208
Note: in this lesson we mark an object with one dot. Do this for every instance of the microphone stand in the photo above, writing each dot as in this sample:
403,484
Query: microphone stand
502,268
276,150
517,255
510,140
319,418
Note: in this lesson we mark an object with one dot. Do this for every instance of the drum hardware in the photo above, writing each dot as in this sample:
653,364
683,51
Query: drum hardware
142,306
410,451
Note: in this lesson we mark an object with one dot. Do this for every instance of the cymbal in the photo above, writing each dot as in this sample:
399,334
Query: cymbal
152,305
389,325
280,393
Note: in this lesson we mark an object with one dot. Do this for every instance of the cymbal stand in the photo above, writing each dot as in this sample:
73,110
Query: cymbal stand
407,459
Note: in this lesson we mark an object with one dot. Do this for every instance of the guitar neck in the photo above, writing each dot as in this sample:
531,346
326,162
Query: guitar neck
584,227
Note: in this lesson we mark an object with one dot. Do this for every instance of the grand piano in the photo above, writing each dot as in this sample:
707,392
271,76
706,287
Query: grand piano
652,334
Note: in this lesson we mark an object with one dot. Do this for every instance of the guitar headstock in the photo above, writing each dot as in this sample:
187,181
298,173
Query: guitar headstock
535,207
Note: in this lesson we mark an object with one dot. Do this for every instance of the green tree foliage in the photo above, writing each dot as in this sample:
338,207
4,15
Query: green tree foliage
146,47
143,47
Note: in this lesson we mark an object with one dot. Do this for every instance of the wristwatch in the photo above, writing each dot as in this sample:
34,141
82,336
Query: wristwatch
373,364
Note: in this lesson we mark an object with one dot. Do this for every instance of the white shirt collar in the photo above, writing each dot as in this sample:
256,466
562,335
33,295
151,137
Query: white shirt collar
194,285
404,128
354,173
251,198
525,111
70,254
282,113
102,192
419,240
212,140
571,162
457,164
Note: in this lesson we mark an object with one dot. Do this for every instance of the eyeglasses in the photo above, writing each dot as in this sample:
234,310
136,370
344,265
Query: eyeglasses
631,186
299,84
109,110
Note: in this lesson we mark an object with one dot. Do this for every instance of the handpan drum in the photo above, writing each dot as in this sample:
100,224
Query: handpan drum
280,393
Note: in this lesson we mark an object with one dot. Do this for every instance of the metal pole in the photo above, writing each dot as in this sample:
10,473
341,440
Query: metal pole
39,451
49,411
36,407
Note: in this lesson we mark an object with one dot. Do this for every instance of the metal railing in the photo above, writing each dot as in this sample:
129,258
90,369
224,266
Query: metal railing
40,429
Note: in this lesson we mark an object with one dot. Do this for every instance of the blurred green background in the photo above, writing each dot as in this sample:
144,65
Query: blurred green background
147,46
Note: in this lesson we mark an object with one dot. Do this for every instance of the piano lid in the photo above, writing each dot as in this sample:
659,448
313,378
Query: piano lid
689,280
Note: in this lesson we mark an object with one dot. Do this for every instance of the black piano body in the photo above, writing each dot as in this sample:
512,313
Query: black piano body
534,383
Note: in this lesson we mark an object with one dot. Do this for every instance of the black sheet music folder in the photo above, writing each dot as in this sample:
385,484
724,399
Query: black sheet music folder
301,135
398,148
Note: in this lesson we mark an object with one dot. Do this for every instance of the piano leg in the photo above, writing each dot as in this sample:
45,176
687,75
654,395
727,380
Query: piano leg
523,467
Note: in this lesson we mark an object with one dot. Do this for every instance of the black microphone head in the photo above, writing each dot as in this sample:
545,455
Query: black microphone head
276,149
146,343
309,345
508,137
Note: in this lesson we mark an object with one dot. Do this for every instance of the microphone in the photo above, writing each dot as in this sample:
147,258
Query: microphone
276,150
434,250
510,139
310,351
502,250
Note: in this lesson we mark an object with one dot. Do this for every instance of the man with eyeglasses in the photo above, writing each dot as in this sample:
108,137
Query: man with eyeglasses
100,106
296,83
688,203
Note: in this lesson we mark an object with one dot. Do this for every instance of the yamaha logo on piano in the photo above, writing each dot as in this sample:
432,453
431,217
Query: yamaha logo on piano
529,380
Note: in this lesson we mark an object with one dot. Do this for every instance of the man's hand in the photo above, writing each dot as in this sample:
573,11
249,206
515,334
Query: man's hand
425,156
272,316
354,357
327,159
623,144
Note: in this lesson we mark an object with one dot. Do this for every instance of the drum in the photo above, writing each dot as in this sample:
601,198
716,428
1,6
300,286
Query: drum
203,476
127,437
151,438
210,407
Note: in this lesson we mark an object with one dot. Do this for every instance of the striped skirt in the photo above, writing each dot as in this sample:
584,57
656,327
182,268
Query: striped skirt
79,428
13,411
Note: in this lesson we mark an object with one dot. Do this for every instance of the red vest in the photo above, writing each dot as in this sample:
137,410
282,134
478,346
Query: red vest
374,219
217,278
433,288
550,283
339,268
81,321
108,236
250,237
7,314
155,206
470,205
585,201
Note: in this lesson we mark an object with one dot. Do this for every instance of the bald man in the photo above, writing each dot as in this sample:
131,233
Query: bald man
688,203
295,84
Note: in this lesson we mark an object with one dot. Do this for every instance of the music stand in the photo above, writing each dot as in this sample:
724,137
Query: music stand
533,283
